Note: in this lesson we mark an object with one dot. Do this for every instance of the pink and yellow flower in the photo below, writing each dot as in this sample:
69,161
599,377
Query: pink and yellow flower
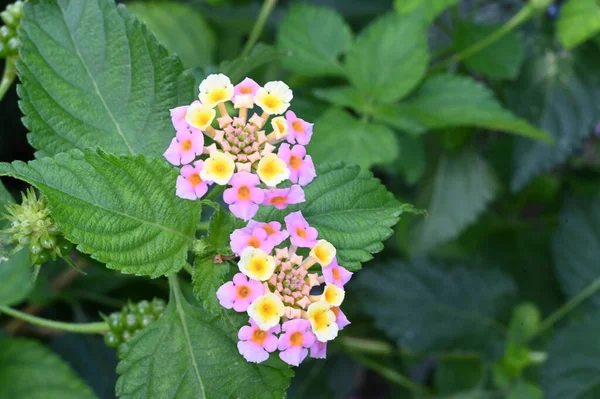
247,87
267,311
185,147
239,293
297,337
256,344
274,98
244,197
301,233
256,264
318,350
300,130
336,274
275,235
272,170
189,184
218,168
302,169
215,89
280,198
322,320
250,236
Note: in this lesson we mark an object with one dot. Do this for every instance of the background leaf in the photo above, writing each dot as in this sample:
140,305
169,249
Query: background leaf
430,8
579,20
349,208
389,58
187,353
181,28
410,301
121,210
239,68
94,76
315,37
338,136
28,370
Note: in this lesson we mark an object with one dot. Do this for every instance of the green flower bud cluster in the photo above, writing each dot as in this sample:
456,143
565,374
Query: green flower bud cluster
32,226
132,319
11,17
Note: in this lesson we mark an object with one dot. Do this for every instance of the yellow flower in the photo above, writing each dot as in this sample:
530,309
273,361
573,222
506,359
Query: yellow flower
322,320
218,168
323,252
274,98
266,311
272,170
200,116
256,264
215,89
280,127
333,295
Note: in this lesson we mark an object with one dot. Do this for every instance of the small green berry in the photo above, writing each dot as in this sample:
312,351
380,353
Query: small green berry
48,241
147,320
64,247
126,335
111,340
131,322
158,306
35,248
114,322
41,258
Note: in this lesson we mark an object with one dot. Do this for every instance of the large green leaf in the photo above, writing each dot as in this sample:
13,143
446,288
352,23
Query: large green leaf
576,246
560,93
28,370
411,302
447,100
239,68
501,60
431,8
190,354
121,210
181,28
315,37
462,188
92,75
349,208
578,21
389,58
339,136
573,366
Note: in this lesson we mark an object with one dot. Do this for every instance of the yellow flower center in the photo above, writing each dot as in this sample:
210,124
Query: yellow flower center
295,162
330,295
320,319
244,193
297,339
271,101
258,266
321,253
217,95
186,145
258,336
243,291
219,168
266,310
195,179
281,124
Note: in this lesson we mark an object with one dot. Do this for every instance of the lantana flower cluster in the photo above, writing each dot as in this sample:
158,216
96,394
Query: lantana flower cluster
292,304
250,154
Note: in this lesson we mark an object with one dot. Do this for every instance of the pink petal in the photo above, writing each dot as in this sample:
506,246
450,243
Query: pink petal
227,294
319,350
252,352
270,343
294,356
244,210
245,333
230,195
184,189
173,153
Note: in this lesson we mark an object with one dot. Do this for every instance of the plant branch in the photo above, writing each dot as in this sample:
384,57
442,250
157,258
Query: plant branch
10,73
83,328
568,307
215,192
263,16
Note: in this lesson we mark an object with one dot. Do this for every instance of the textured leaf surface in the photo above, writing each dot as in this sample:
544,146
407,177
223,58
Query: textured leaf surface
573,366
92,76
189,354
562,95
362,143
576,246
344,96
315,37
389,58
410,302
121,210
447,100
462,188
431,8
181,28
501,60
28,370
349,208
578,21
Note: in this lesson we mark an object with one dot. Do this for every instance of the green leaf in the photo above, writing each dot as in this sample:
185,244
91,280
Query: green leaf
458,373
92,75
431,8
446,100
394,116
410,301
28,370
222,224
525,390
501,60
188,353
5,199
315,37
239,68
578,21
208,276
349,208
561,94
15,277
461,190
365,144
181,28
389,58
573,366
344,96
576,246
121,210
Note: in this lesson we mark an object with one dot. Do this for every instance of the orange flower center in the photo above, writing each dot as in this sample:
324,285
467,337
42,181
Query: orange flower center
295,162
270,230
253,242
300,232
246,90
195,179
297,125
297,339
336,274
335,310
258,336
278,200
243,291
186,145
244,193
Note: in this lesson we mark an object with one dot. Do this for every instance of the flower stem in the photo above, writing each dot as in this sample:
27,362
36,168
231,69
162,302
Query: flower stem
519,19
10,73
565,309
83,328
263,16
215,192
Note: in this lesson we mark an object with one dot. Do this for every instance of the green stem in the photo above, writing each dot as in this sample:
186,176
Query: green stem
85,328
263,16
202,226
565,309
188,268
10,73
215,192
520,18
369,346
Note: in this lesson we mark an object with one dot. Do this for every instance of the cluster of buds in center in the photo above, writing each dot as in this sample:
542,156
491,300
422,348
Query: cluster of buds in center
292,307
239,152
